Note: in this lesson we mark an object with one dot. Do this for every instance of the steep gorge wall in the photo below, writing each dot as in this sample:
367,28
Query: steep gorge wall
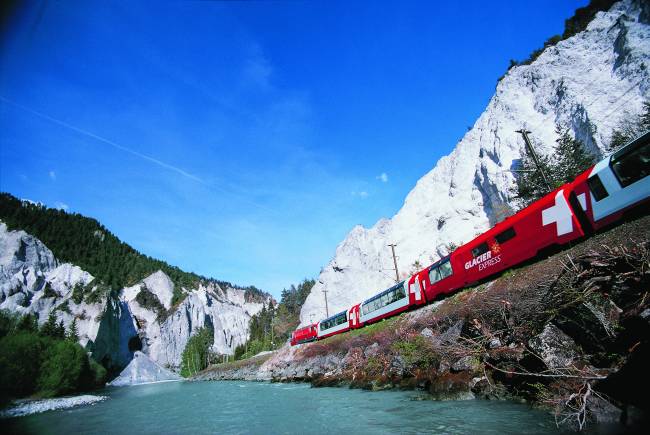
112,325
589,83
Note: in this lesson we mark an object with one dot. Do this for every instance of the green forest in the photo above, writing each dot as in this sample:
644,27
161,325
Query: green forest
88,244
272,327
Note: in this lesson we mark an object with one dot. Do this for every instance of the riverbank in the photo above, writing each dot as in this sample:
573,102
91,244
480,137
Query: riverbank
568,333
24,407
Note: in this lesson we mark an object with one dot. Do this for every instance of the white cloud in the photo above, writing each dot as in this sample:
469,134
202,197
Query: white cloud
361,194
61,206
383,177
52,175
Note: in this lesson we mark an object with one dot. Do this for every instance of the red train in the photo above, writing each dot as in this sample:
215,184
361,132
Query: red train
596,198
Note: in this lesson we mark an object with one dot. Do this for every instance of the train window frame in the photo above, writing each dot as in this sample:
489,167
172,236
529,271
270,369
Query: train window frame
438,271
335,320
480,249
505,235
400,292
596,187
621,160
384,299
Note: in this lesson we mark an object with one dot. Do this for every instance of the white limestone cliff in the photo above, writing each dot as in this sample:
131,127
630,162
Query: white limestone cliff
588,83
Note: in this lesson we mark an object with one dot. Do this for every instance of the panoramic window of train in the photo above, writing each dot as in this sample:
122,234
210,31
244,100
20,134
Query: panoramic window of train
505,235
439,272
445,269
401,293
480,249
596,187
631,166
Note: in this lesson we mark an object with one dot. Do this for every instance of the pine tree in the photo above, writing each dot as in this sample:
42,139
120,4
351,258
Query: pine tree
571,158
27,323
530,182
73,332
60,330
49,328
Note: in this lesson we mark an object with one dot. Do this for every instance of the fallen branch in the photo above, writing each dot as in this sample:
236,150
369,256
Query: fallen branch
544,375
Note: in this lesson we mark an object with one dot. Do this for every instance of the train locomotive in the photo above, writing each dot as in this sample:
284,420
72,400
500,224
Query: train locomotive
598,197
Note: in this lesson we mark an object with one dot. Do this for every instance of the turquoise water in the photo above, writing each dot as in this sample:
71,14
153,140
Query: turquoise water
265,408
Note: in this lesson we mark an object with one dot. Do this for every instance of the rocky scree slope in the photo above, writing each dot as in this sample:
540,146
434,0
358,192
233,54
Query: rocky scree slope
589,83
114,324
570,333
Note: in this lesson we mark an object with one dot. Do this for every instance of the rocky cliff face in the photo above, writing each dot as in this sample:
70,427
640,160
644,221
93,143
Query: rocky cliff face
114,325
588,83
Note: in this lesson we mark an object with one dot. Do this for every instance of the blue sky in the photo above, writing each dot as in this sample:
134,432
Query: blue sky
243,140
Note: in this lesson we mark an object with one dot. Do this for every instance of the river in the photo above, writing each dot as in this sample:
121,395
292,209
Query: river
264,408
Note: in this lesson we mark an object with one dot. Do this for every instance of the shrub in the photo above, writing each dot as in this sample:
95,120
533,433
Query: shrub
78,293
65,370
43,362
20,361
417,351
197,355
150,301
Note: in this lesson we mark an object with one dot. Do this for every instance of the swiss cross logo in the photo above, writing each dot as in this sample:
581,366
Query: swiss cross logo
560,213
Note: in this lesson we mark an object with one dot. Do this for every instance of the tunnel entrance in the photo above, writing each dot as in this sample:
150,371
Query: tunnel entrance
135,343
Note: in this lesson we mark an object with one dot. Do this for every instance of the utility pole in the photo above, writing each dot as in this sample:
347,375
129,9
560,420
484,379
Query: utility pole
533,154
272,317
327,311
392,247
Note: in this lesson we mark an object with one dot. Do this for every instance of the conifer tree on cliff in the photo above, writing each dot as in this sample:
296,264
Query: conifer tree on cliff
569,159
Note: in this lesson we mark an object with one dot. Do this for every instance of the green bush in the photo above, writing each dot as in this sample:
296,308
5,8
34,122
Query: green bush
65,370
98,372
150,301
197,355
417,352
21,354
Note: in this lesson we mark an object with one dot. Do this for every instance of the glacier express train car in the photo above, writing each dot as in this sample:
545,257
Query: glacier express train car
616,184
336,324
596,198
385,304
305,334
